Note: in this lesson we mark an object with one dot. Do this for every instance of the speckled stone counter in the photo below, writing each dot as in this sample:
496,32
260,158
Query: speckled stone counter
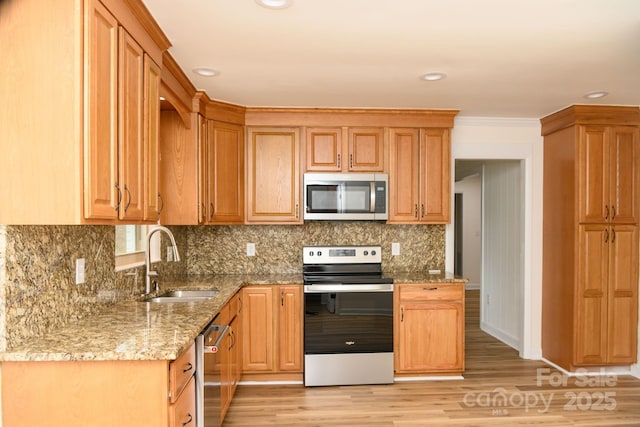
425,277
135,330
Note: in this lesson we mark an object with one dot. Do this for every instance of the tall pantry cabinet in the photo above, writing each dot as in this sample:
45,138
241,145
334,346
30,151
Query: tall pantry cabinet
590,236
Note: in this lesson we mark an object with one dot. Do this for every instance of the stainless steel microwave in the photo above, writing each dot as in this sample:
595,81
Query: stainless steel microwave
346,196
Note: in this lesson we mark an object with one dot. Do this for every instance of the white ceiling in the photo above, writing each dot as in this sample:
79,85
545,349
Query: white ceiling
503,58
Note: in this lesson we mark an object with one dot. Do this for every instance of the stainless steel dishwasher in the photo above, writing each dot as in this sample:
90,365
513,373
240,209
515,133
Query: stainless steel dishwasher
208,375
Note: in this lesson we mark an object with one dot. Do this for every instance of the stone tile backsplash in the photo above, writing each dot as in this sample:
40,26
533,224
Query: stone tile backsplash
37,263
222,249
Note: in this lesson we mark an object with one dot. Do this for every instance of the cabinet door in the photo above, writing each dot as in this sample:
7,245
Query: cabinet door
324,149
225,171
591,296
625,174
404,175
622,299
435,182
290,328
366,150
593,175
153,200
100,128
430,337
130,125
257,324
273,161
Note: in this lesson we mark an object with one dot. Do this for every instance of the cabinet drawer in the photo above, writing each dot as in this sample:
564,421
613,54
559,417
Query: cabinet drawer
431,292
183,412
180,372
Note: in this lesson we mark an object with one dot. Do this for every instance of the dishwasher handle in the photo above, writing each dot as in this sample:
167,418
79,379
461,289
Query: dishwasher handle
215,333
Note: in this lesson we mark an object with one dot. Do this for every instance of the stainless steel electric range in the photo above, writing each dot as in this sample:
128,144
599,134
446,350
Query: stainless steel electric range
348,320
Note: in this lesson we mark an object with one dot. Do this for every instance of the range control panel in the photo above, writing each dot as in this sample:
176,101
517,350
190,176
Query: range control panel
341,254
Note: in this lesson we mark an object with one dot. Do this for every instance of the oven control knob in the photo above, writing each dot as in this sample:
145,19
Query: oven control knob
319,253
373,253
310,253
366,253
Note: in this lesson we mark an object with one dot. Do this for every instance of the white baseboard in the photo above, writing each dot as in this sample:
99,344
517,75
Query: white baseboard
498,334
635,370
434,378
593,371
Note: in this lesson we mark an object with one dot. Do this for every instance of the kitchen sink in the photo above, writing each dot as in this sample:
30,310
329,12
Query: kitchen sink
185,295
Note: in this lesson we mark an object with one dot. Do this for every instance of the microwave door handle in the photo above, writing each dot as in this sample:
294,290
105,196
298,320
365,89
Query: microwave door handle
372,197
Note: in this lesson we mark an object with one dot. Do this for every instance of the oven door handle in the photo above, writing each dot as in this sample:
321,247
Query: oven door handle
337,288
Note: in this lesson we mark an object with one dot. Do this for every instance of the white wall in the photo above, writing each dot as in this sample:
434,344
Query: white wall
471,190
518,139
502,250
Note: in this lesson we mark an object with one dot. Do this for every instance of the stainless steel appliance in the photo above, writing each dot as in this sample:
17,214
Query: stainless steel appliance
346,196
208,375
348,316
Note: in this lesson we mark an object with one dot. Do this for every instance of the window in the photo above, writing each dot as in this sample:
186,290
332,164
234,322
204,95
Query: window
130,245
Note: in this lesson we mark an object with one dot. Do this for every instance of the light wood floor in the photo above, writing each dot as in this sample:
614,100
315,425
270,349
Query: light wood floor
493,370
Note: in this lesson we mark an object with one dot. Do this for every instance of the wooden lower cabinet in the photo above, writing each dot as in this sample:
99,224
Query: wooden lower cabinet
100,393
272,331
429,328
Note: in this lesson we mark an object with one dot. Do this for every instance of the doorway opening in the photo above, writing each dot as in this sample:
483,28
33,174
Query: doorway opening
489,239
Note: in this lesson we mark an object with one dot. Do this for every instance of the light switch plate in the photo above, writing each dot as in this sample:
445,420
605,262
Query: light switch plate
79,271
251,249
395,249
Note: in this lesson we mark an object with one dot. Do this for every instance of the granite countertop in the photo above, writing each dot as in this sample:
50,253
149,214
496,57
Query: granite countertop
134,330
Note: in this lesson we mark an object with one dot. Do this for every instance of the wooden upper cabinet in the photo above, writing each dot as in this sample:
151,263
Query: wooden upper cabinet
326,152
419,175
404,174
366,150
154,203
324,149
608,174
273,175
225,173
435,172
130,122
101,194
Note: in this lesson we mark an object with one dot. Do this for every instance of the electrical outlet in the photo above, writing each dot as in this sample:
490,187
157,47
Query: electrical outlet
169,253
79,271
251,249
395,249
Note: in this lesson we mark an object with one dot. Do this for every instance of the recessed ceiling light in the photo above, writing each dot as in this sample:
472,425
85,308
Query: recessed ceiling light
596,95
206,72
432,77
275,4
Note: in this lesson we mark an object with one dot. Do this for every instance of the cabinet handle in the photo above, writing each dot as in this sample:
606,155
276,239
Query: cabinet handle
297,215
161,203
233,341
240,308
402,314
422,216
117,208
211,210
129,193
350,161
613,235
416,214
606,235
606,211
189,367
339,167
189,420
282,298
429,289
613,212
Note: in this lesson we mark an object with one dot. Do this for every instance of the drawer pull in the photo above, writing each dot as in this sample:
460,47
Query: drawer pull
188,368
429,289
189,421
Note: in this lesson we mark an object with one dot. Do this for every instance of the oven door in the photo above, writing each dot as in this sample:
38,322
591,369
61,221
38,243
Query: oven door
348,334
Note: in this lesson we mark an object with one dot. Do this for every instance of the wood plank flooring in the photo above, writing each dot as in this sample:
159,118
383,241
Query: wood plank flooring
499,389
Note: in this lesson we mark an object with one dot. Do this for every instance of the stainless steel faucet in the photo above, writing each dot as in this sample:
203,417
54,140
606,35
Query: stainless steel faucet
147,256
